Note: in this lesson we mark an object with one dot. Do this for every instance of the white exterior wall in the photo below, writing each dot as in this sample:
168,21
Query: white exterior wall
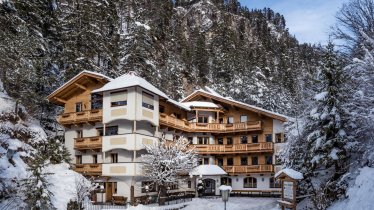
263,182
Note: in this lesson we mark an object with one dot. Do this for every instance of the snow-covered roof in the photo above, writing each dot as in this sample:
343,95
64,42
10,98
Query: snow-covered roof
130,80
229,99
206,170
205,104
225,187
291,173
179,104
77,76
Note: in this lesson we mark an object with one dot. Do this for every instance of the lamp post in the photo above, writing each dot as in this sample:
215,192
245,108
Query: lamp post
146,193
225,192
102,194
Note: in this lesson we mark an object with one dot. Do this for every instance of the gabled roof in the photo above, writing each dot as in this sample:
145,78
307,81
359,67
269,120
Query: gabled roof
206,170
55,96
290,173
223,99
130,80
200,104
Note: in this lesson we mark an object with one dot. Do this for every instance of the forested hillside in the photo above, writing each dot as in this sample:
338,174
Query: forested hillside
178,46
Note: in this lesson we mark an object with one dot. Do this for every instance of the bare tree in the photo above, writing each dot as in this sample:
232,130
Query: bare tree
83,188
355,18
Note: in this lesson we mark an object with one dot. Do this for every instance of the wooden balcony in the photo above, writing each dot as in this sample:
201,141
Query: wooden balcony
87,116
184,125
234,149
234,170
88,143
90,169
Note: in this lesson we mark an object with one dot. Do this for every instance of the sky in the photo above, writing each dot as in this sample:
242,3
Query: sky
308,20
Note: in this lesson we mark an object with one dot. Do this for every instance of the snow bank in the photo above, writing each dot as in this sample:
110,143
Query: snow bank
146,27
291,173
361,194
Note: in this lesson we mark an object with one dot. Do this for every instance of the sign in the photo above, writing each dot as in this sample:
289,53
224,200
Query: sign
288,190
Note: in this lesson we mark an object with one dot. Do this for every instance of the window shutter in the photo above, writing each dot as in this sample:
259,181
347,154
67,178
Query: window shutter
118,96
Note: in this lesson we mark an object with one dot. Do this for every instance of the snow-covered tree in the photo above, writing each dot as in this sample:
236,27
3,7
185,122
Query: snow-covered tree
320,151
35,188
168,162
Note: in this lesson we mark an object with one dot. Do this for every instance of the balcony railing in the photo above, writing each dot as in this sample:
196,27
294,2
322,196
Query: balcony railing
87,116
235,148
88,143
88,168
209,127
248,169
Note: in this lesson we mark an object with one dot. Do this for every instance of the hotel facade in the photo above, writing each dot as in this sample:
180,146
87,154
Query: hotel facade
109,121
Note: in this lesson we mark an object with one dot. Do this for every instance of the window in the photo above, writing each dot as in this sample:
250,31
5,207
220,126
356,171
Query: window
118,98
78,159
274,183
161,109
278,138
255,139
243,118
226,181
230,120
96,101
79,134
150,185
94,158
78,107
202,140
244,161
204,161
190,140
100,131
147,101
250,182
230,161
220,140
243,140
220,161
254,160
229,140
114,157
220,120
189,184
269,159
112,130
269,137
202,119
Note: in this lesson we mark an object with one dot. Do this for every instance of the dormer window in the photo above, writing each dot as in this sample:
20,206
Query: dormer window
118,98
147,101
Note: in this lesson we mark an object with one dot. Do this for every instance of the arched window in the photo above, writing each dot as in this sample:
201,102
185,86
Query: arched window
250,182
226,181
274,183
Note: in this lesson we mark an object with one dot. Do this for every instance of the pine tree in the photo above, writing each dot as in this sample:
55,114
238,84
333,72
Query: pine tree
323,156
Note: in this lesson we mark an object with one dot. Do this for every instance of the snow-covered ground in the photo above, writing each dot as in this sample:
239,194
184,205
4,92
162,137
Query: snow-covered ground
234,203
361,194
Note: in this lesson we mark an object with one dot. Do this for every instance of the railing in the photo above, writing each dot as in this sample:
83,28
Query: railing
209,127
235,148
88,116
248,169
89,168
88,143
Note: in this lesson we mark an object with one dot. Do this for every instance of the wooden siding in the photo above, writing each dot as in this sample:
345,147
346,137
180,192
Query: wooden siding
234,149
88,169
86,143
87,116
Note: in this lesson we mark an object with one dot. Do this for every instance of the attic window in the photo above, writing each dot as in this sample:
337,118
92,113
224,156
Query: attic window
118,98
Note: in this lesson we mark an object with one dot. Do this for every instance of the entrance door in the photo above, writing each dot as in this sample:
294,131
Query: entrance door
108,192
210,187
